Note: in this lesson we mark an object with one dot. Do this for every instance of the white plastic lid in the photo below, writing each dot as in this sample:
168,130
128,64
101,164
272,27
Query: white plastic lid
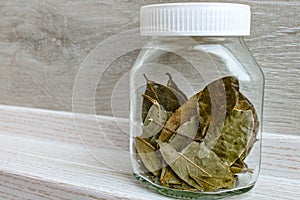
195,19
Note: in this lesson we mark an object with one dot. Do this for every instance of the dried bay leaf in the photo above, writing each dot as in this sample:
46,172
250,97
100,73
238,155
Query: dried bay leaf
155,114
196,160
245,104
188,132
168,177
178,163
167,97
221,176
236,169
148,155
206,185
181,115
212,184
232,140
216,101
239,167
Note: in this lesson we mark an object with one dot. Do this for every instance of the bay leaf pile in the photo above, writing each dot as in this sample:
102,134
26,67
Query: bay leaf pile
196,144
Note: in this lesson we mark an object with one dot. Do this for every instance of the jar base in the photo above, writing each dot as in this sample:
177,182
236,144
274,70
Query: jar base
181,194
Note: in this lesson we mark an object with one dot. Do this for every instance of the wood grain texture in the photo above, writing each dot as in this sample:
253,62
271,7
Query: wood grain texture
51,162
43,43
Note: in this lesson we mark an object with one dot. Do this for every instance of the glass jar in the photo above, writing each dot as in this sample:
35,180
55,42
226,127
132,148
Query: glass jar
196,101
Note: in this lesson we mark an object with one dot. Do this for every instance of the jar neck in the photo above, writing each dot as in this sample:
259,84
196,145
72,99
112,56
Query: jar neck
190,40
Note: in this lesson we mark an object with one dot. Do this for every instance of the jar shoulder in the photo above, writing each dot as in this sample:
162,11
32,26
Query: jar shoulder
229,57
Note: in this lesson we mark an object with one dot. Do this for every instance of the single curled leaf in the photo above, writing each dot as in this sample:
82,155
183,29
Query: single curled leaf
148,156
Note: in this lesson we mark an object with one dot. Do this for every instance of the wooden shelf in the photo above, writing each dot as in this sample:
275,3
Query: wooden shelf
59,155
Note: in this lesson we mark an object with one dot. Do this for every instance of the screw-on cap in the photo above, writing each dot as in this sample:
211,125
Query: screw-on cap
196,19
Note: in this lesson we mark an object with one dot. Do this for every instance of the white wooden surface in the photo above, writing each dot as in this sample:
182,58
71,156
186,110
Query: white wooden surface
42,156
43,43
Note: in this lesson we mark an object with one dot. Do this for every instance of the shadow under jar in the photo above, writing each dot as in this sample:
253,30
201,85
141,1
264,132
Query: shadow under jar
196,102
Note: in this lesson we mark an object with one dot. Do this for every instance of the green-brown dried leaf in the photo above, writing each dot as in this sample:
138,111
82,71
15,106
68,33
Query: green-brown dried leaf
186,134
245,104
196,160
168,177
239,167
182,115
231,142
148,156
213,184
216,101
164,95
155,114
221,176
179,163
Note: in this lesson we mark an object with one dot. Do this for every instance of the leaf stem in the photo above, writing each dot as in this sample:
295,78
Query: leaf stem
146,78
151,99
169,75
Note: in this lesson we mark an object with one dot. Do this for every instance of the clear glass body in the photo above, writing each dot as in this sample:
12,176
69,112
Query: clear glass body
196,116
